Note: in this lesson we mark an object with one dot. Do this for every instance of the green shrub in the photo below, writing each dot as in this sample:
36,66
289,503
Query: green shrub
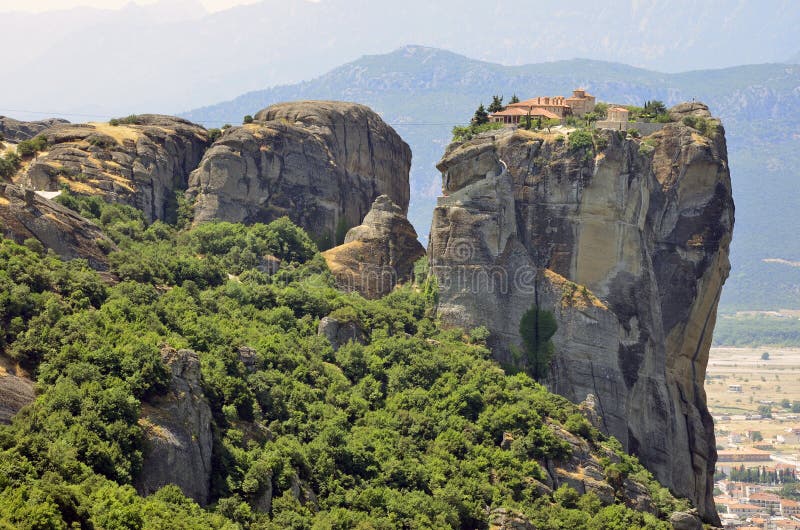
578,425
133,119
28,148
580,139
213,135
704,126
9,164
461,134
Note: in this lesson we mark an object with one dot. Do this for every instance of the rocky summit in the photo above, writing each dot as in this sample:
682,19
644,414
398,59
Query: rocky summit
624,242
141,161
16,131
321,163
378,254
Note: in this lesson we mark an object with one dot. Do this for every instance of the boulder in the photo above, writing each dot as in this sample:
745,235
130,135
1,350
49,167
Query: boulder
178,437
686,521
505,519
321,163
627,247
378,254
340,333
141,164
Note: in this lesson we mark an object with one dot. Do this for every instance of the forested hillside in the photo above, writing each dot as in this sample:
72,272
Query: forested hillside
410,426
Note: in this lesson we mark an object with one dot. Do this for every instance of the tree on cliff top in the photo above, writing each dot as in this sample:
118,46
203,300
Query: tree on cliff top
481,116
496,104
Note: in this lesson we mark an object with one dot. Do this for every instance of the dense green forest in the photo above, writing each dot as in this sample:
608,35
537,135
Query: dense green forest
401,432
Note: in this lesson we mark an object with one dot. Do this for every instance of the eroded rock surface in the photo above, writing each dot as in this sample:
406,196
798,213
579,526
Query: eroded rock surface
16,131
25,214
321,163
178,432
627,246
141,164
378,254
16,389
340,332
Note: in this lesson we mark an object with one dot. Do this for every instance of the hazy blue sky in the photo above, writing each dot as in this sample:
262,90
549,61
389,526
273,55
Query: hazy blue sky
38,6
173,55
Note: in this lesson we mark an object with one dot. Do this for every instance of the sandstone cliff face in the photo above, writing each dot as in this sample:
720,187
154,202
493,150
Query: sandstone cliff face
25,214
321,163
378,254
140,164
178,432
627,247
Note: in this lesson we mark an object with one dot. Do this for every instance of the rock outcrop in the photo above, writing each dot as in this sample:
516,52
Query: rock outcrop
26,214
16,389
16,131
141,163
626,244
321,163
178,433
378,254
340,332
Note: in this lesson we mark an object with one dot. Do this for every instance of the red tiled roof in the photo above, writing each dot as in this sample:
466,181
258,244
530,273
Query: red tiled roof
510,111
524,112
744,507
764,497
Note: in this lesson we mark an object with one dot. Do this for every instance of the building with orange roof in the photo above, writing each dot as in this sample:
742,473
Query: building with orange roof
790,508
743,509
549,107
743,455
620,114
767,501
513,115
581,102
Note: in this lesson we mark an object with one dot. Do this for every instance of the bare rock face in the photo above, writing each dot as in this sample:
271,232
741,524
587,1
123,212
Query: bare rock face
25,214
340,332
178,432
686,521
16,389
378,254
321,163
141,164
627,246
16,131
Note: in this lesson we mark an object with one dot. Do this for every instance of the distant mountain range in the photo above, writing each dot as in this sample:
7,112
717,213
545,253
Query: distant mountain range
423,91
173,55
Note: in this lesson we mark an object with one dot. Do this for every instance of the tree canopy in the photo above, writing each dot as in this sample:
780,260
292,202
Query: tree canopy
404,430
